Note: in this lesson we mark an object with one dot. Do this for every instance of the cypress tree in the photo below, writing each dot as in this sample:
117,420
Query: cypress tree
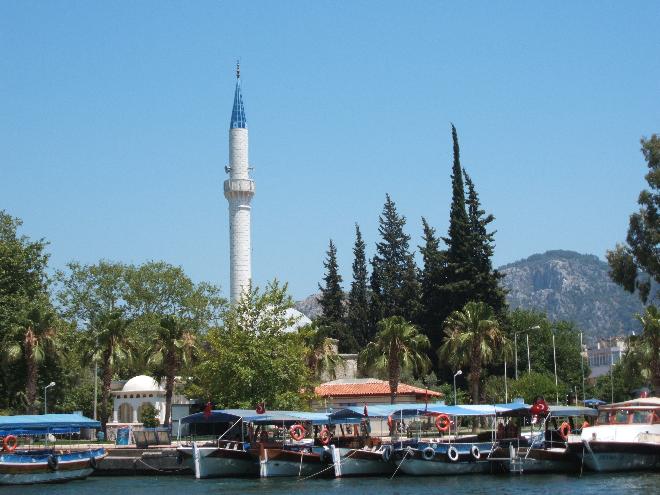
433,281
331,292
394,283
358,297
485,280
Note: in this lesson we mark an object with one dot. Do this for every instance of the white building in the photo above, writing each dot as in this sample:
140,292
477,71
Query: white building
134,396
605,354
239,191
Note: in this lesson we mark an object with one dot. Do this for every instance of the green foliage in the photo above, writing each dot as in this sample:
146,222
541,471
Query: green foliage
433,279
473,338
250,359
149,416
357,318
396,347
635,264
321,354
645,348
528,386
394,285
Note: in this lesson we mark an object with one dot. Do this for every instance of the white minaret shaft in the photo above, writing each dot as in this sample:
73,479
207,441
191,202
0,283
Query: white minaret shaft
239,190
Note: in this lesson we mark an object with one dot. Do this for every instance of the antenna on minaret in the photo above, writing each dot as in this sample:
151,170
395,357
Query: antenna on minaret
238,69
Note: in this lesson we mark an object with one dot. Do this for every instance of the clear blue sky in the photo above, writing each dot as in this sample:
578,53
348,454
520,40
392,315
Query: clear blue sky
114,120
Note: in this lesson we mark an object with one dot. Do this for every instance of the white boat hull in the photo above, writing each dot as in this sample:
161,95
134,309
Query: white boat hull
356,462
44,477
209,462
277,463
421,467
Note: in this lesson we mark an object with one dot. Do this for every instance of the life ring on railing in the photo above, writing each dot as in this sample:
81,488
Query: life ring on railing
564,430
428,453
442,422
53,462
476,453
452,453
297,432
10,443
324,436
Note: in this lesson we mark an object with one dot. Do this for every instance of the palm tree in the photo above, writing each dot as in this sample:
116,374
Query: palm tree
646,347
472,337
110,343
173,350
397,346
38,338
321,356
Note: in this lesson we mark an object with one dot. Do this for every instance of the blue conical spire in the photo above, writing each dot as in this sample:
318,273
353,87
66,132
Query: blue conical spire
238,120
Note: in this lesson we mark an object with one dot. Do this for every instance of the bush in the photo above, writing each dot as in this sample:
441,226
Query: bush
149,416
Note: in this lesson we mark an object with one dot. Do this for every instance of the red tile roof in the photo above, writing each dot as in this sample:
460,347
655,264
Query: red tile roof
373,387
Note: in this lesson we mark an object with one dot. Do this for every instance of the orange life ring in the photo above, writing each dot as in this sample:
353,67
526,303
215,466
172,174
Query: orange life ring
442,422
324,435
564,430
297,432
10,443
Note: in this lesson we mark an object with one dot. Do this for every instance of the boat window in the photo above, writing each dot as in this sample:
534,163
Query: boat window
604,418
641,417
621,417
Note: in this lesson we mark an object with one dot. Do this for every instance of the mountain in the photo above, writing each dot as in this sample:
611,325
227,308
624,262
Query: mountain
564,284
572,286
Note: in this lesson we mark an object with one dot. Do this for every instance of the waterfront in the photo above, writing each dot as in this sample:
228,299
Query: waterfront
637,482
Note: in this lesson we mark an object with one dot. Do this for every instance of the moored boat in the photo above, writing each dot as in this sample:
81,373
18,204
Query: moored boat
626,437
19,466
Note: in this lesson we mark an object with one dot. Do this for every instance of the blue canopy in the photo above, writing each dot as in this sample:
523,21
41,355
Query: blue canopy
594,402
45,423
460,410
250,416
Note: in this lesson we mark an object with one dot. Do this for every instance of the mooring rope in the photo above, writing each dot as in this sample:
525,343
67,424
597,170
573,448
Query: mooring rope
331,466
408,451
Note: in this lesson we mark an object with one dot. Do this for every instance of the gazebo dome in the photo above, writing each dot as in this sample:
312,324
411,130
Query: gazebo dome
142,383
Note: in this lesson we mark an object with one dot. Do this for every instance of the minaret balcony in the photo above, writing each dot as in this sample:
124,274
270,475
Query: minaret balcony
236,187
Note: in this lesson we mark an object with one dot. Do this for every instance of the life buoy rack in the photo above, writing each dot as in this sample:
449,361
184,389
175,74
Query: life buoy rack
297,432
452,453
442,422
428,453
476,453
564,430
10,443
324,436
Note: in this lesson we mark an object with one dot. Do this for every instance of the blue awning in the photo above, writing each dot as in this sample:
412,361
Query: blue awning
46,422
250,416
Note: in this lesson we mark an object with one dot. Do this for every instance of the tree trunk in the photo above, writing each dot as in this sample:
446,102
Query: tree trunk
106,381
31,382
169,389
394,375
474,378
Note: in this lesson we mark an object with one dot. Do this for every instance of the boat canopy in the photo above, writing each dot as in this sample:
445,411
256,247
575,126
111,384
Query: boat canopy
460,410
41,424
557,411
250,416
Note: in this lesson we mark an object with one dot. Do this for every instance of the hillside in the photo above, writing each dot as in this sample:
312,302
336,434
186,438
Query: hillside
564,284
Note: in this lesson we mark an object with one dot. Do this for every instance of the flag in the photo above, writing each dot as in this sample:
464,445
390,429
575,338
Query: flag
207,410
261,408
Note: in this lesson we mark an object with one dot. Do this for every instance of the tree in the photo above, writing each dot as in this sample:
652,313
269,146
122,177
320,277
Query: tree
398,345
38,338
358,297
149,416
109,344
472,339
636,263
172,351
394,285
433,279
321,352
486,281
332,295
645,348
250,358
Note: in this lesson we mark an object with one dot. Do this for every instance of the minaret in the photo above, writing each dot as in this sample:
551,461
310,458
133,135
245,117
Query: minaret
239,190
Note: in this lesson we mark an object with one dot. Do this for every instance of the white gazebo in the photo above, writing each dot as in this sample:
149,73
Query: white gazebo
137,393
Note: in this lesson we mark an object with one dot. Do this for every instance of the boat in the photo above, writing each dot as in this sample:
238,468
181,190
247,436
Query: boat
449,452
221,457
626,437
21,466
545,449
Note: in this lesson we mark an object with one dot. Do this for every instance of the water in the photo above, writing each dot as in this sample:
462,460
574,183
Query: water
556,484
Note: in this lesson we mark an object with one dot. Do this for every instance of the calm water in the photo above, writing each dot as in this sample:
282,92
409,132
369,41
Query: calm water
601,484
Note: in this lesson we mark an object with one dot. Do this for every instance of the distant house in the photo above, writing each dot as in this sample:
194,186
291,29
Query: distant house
360,391
604,354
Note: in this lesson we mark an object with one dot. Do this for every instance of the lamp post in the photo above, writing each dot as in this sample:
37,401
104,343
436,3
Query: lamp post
554,358
459,372
529,362
515,351
51,384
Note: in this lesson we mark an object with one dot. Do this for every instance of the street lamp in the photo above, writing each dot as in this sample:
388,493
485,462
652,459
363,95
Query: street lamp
554,358
529,363
459,372
51,384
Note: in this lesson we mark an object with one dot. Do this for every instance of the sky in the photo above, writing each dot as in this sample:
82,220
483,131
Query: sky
114,124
